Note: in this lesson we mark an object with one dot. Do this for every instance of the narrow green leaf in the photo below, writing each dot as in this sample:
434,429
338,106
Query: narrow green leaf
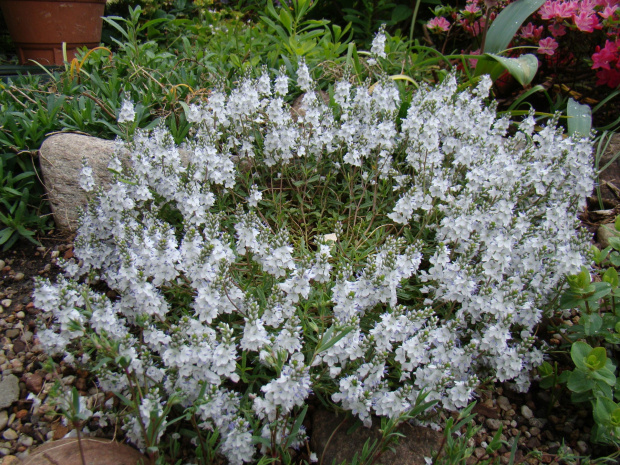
507,23
329,343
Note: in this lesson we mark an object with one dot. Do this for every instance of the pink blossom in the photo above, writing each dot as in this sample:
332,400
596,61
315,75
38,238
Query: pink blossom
476,27
438,25
587,6
557,29
558,10
547,46
472,9
611,77
473,61
604,57
586,22
608,11
606,3
531,32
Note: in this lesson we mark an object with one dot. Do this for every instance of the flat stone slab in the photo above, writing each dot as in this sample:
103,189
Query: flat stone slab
96,452
9,391
331,440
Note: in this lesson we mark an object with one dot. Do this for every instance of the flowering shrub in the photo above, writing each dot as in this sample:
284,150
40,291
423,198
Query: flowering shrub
565,30
343,252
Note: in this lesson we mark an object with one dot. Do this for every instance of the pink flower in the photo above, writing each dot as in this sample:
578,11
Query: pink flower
587,6
603,58
476,27
471,8
557,29
531,32
558,10
611,77
472,61
586,21
547,46
438,25
606,3
608,11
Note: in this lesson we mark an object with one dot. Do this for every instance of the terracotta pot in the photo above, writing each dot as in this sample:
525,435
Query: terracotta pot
39,27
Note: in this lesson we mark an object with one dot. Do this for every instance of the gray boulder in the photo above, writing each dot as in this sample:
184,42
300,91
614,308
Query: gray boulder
61,163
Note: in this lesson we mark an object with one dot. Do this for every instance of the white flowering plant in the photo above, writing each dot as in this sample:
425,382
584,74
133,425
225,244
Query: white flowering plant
341,253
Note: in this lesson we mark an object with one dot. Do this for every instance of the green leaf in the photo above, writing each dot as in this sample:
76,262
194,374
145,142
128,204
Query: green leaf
591,325
522,68
578,352
579,382
326,344
401,13
579,119
606,376
293,434
606,411
597,358
507,23
581,280
611,276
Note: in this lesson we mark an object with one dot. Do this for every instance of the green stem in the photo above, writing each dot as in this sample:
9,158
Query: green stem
413,19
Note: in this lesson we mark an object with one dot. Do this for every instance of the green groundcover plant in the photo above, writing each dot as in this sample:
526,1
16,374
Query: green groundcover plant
342,252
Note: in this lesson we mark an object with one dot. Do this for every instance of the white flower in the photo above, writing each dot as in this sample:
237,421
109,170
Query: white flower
377,49
87,181
255,196
127,113
304,81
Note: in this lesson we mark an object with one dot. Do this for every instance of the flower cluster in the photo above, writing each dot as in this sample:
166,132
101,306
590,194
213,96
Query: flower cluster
344,251
555,29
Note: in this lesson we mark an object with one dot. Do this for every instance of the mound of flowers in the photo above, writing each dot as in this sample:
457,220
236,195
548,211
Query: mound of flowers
345,253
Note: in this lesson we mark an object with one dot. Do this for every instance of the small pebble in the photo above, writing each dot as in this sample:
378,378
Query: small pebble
534,431
19,276
527,412
12,333
479,452
2,264
493,424
504,403
4,419
26,441
9,435
41,249
6,303
537,422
